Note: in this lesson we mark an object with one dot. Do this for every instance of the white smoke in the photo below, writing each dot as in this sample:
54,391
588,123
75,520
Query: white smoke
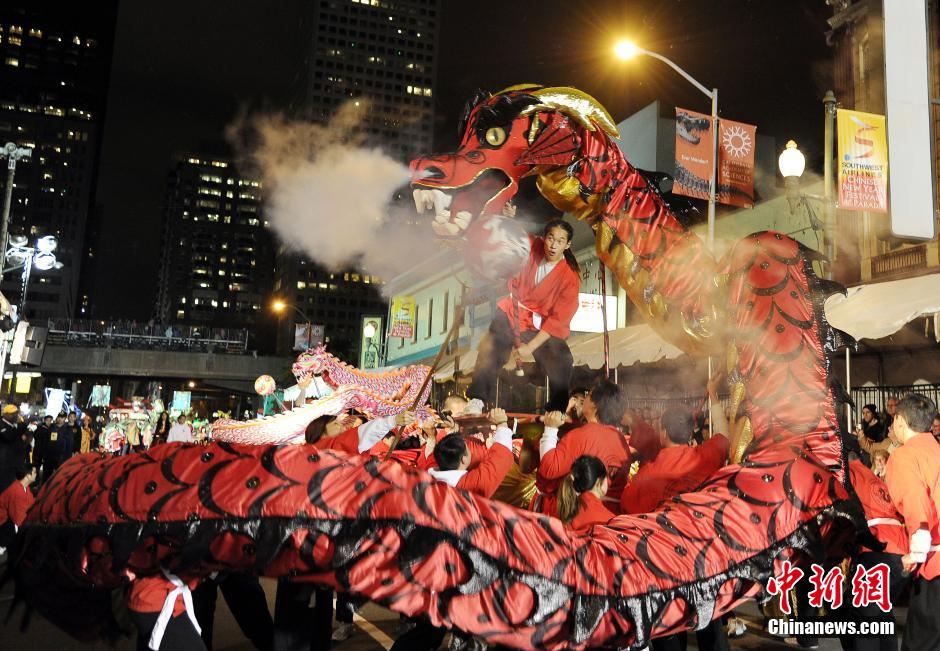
328,193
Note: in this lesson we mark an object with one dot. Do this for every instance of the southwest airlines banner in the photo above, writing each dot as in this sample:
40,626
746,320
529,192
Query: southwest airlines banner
863,161
694,158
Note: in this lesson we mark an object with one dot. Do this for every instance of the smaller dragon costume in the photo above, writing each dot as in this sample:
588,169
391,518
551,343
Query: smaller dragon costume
375,394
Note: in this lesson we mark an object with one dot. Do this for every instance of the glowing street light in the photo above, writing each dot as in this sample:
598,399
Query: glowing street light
626,50
278,306
792,162
369,330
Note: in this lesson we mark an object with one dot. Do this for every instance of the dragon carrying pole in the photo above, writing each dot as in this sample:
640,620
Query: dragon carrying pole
458,321
603,273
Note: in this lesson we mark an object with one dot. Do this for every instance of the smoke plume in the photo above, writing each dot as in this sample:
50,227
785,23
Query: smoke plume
328,192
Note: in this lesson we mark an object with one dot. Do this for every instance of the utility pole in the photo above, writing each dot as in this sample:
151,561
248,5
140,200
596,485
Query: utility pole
13,154
829,219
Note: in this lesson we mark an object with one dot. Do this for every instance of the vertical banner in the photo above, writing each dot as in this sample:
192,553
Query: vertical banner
181,401
693,154
863,161
307,336
736,163
403,317
100,395
694,158
370,343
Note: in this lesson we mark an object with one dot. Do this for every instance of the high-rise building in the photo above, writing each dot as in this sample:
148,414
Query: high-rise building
217,256
382,56
55,62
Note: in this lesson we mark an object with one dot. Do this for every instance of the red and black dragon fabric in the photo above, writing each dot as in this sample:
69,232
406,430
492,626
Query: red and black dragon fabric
513,577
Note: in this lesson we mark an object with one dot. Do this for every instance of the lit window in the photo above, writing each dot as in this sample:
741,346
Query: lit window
180,314
76,40
14,40
322,285
14,62
301,284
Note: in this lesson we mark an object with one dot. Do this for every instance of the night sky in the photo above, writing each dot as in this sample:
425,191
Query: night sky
184,69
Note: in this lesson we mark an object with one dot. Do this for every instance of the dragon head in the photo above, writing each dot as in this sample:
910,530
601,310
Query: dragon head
312,361
562,135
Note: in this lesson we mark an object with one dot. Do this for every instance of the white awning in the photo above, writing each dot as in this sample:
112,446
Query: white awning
628,346
877,310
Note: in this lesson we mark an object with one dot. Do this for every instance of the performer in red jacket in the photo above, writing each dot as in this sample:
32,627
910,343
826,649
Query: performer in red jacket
543,299
678,468
14,503
453,460
913,479
600,437
581,492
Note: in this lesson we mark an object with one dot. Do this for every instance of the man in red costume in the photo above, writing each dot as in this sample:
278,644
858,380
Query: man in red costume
913,478
600,437
535,318
14,503
678,467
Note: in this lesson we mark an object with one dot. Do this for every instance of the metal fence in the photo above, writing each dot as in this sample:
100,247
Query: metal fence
131,335
878,396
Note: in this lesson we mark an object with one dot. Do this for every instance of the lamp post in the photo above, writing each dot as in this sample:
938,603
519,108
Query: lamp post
627,50
42,256
13,154
279,306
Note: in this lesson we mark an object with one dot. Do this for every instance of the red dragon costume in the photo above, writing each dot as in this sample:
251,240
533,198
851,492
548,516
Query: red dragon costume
400,538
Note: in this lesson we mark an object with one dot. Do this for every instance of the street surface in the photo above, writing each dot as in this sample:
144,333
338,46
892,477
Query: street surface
376,631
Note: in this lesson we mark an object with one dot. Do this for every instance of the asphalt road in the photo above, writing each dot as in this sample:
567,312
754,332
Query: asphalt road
376,631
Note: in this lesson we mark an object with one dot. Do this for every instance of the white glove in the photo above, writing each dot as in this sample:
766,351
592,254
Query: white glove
920,545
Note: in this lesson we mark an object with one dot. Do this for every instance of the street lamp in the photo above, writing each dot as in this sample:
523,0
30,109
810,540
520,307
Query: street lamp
626,50
278,306
13,154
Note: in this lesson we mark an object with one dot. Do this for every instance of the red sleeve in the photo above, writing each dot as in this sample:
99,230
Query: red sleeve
714,452
21,504
558,321
424,461
347,442
557,463
634,499
486,477
478,451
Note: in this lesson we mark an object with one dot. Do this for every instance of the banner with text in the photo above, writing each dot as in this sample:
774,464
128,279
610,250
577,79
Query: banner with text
863,161
403,317
694,158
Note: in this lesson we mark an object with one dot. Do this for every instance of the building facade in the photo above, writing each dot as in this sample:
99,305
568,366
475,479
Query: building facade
217,264
54,68
866,249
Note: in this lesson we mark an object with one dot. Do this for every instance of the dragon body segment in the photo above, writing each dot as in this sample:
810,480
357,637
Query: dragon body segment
397,536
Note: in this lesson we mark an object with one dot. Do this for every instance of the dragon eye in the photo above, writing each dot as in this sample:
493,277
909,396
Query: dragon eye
495,136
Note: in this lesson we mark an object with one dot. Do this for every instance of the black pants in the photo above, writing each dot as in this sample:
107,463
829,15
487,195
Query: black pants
180,635
711,638
923,623
423,637
297,626
245,598
553,356
872,612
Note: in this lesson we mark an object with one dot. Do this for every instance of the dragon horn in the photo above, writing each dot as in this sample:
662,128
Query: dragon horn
586,110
